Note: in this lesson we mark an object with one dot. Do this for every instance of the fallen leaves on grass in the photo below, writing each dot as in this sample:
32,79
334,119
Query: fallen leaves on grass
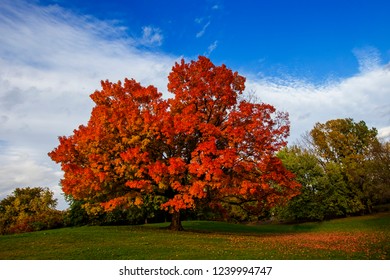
353,244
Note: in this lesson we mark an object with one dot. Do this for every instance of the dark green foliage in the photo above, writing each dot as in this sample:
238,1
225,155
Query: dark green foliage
309,205
76,214
324,193
86,213
378,169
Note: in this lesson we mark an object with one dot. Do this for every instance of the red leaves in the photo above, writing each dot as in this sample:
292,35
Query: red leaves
157,171
200,142
134,155
177,166
317,245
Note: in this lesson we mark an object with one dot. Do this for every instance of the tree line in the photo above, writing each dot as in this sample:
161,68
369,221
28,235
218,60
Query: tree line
343,168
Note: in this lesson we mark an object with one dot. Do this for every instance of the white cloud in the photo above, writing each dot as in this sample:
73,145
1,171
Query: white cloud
51,60
19,169
365,96
384,133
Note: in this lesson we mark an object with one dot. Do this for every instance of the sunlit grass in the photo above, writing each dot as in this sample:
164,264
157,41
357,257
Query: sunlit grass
365,237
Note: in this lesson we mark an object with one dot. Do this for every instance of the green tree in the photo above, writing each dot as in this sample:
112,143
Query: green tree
83,212
343,169
344,148
338,198
29,209
343,140
378,169
319,197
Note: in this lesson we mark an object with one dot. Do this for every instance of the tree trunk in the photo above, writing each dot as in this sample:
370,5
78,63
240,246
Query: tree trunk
176,222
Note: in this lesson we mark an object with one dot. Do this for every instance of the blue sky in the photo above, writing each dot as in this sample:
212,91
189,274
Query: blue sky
317,60
313,39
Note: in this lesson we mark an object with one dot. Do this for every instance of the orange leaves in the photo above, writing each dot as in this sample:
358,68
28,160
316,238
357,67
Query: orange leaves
157,171
178,202
144,185
134,154
198,189
125,200
176,166
201,78
202,143
114,203
203,92
317,245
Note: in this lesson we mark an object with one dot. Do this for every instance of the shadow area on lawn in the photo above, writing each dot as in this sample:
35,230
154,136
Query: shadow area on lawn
379,221
207,227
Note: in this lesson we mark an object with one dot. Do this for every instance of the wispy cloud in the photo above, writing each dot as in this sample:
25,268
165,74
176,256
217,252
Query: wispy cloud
201,32
151,36
199,20
211,48
369,58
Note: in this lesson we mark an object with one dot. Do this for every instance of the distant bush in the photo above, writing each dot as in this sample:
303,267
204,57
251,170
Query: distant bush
381,208
29,209
92,213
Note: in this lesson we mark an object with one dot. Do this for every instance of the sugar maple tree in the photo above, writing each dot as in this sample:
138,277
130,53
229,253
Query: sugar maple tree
203,145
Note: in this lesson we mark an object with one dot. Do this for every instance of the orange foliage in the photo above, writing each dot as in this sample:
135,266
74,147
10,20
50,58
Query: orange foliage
201,144
352,245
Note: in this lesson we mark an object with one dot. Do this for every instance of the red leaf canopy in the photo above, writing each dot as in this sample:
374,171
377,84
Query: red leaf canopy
205,144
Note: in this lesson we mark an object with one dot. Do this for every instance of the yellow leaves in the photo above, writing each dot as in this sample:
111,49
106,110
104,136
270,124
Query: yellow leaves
338,139
145,143
93,209
163,186
138,201
134,139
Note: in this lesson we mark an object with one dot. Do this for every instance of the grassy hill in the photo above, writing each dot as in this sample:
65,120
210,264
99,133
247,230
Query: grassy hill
366,237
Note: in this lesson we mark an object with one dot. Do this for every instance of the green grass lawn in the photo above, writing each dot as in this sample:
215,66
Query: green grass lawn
366,237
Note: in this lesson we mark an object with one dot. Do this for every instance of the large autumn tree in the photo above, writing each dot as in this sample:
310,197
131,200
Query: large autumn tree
204,145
